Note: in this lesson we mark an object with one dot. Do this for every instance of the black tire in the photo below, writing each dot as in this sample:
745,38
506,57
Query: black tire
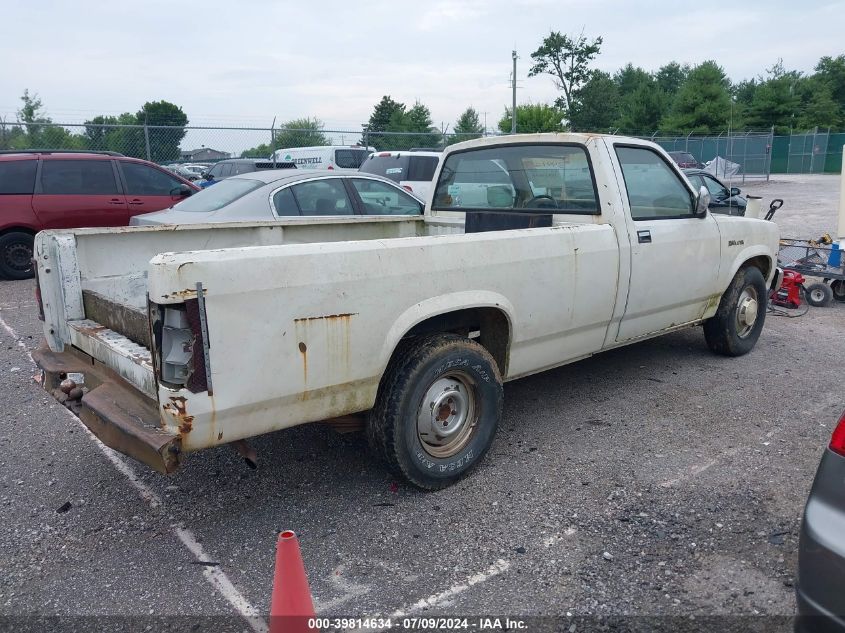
729,332
818,294
838,288
16,255
459,380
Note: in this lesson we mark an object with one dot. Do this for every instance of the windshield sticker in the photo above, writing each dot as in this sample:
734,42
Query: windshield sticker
394,170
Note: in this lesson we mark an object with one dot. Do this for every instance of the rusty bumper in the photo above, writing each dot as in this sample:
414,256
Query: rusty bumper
118,414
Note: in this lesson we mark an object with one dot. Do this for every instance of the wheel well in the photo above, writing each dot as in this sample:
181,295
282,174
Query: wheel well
762,262
491,324
17,229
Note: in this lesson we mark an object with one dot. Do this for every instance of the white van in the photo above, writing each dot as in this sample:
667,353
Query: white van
339,157
412,170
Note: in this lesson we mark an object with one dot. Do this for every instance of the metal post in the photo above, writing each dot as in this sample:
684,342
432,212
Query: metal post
513,84
770,152
841,231
813,150
147,140
273,141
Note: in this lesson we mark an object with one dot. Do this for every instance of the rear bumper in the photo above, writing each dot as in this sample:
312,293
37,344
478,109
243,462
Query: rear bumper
118,414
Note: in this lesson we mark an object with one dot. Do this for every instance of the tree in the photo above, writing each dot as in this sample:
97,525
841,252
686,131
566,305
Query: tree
776,100
532,118
642,103
703,102
418,119
596,106
116,134
386,113
831,71
468,126
642,110
305,132
164,141
670,77
40,130
567,60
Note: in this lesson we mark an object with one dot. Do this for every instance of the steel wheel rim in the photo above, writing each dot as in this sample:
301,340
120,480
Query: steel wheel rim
747,311
448,415
817,295
18,257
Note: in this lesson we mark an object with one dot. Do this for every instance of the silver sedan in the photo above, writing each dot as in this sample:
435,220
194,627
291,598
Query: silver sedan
276,194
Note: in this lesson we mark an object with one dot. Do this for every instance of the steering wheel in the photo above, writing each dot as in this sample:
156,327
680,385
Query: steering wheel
540,197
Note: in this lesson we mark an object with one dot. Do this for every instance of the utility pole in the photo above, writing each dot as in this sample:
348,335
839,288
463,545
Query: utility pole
513,106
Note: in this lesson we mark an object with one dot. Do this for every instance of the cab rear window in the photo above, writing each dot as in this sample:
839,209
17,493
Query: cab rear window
556,178
17,177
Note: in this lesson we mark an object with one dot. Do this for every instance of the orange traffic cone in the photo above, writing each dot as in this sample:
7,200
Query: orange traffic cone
291,605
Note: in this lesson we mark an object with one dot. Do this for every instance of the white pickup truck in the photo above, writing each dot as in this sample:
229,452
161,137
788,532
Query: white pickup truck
534,251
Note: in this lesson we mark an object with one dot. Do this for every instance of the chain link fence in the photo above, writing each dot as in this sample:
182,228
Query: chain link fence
758,153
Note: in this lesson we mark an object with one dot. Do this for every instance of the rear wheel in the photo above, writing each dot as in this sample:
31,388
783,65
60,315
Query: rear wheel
437,410
16,255
818,294
736,326
838,288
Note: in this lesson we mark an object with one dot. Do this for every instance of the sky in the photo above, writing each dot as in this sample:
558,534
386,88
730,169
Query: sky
244,63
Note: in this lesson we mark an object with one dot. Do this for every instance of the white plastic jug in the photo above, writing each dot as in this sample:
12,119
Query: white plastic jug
753,206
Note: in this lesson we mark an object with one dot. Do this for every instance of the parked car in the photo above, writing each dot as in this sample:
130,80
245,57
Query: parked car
334,157
237,166
820,587
408,325
274,194
183,172
412,170
723,199
685,160
63,189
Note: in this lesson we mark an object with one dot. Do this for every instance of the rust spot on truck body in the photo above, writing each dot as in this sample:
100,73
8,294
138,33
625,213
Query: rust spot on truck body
177,408
327,317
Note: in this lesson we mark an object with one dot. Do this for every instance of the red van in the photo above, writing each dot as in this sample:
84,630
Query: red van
62,189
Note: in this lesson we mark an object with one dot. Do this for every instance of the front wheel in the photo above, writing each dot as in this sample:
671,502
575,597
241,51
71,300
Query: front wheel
437,410
838,288
16,255
736,326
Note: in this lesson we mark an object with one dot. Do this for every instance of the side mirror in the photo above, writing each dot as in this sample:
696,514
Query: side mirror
207,175
735,191
702,202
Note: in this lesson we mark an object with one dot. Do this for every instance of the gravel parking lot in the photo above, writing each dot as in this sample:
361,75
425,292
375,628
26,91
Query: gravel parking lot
654,480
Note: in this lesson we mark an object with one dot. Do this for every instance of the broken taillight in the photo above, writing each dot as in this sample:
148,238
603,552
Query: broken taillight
837,440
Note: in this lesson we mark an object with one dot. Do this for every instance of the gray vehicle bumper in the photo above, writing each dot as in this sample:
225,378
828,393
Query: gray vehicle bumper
820,587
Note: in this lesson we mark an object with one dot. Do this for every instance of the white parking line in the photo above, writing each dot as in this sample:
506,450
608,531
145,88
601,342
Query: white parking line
213,574
500,566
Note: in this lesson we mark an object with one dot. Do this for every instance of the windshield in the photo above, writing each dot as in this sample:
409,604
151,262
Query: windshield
216,197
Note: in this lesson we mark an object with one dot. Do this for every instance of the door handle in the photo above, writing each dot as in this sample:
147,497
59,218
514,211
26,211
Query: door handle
115,201
644,237
136,202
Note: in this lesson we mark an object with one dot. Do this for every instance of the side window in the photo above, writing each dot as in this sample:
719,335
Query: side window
655,191
322,197
379,198
17,177
284,202
717,191
421,168
216,170
77,177
225,170
143,180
